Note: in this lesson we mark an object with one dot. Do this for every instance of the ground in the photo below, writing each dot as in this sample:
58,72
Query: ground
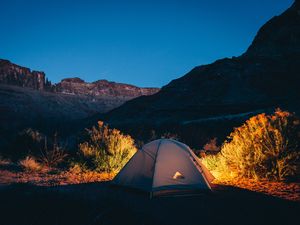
55,198
101,203
289,191
13,174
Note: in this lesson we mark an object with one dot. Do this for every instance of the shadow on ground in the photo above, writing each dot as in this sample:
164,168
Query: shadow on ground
100,203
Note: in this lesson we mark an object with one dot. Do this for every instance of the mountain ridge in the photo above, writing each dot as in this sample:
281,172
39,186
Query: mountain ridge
13,74
265,77
29,100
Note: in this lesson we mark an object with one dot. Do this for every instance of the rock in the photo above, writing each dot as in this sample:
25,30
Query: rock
102,88
13,74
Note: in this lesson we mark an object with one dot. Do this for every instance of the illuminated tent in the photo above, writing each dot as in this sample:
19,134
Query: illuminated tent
165,166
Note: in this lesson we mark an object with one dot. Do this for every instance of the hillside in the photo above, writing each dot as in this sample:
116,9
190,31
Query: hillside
228,91
29,100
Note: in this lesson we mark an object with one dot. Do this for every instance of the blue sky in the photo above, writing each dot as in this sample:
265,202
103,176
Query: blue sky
145,43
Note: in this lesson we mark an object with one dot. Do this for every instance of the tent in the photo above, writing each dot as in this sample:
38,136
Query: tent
165,166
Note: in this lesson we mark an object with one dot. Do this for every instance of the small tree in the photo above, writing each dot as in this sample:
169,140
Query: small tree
107,150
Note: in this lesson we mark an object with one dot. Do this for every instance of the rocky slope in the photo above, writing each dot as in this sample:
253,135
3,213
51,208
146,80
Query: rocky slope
29,100
266,76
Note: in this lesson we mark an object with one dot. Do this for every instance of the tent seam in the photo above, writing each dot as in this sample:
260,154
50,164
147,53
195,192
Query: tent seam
155,166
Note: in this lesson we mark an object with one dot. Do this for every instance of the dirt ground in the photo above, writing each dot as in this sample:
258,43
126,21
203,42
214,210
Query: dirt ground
101,203
10,174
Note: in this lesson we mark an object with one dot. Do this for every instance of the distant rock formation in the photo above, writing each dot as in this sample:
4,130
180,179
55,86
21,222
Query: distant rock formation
77,86
13,74
29,100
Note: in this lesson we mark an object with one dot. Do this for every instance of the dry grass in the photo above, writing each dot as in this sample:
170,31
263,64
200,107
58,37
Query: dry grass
30,164
76,175
53,178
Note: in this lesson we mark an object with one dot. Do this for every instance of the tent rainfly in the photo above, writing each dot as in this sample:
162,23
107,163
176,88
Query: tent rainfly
165,166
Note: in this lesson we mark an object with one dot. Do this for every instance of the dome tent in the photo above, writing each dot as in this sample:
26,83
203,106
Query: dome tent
164,166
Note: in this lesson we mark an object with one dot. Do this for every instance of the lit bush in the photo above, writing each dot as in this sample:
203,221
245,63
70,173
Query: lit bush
266,146
107,150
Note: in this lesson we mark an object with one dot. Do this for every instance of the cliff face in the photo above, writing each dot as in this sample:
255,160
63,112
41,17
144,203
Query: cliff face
77,86
13,74
266,76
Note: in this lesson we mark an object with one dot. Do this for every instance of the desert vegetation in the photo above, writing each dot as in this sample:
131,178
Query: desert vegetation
43,155
263,151
106,150
101,154
264,147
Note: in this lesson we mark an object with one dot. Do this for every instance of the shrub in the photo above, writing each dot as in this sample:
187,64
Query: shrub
30,164
266,146
107,150
53,156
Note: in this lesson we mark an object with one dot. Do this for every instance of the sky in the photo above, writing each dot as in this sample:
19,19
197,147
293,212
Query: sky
140,42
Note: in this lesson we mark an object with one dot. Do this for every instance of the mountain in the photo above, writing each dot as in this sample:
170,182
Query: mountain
29,100
211,99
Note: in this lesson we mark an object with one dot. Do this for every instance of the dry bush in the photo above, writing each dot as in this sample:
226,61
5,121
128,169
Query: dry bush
48,151
266,146
30,164
53,156
107,150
